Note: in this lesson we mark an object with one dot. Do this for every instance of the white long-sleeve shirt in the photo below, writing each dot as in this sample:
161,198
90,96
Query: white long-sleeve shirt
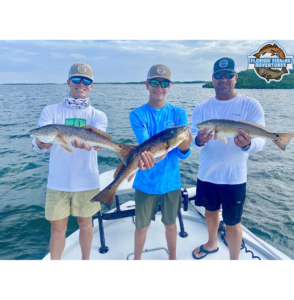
226,164
76,171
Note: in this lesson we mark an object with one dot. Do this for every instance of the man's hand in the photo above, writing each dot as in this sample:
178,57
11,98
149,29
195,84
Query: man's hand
202,137
147,161
43,146
84,145
243,139
185,144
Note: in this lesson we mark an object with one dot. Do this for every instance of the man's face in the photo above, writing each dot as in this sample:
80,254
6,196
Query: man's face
224,87
157,93
79,90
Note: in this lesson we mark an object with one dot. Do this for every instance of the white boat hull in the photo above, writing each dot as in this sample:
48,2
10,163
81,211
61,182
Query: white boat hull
119,237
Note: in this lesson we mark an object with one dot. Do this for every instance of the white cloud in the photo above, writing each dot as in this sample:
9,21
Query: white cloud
78,56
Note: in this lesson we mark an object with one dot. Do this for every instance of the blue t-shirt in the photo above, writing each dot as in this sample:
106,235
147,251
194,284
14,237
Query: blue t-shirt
165,175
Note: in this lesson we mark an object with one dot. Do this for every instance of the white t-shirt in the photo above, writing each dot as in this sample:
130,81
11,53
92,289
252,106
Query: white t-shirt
226,164
76,171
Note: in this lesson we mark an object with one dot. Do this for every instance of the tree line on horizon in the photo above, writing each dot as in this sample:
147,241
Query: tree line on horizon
249,80
246,80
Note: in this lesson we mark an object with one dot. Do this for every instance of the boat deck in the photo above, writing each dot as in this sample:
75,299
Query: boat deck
119,236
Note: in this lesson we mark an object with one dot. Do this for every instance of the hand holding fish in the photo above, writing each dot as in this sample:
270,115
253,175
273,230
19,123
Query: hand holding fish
43,146
243,139
203,137
185,144
147,161
84,145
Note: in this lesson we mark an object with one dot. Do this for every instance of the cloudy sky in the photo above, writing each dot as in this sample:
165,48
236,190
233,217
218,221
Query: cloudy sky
48,61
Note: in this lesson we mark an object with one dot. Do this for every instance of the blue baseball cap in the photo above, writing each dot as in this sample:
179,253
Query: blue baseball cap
224,64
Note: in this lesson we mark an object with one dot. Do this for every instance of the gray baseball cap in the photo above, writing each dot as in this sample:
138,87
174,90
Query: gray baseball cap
159,70
80,69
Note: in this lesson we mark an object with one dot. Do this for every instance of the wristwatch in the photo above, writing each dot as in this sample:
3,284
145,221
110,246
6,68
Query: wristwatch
246,147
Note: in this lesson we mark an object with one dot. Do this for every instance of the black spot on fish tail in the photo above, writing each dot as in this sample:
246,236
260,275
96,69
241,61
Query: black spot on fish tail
119,146
277,135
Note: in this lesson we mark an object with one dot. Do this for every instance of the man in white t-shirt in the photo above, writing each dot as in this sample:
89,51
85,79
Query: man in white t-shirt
222,173
73,178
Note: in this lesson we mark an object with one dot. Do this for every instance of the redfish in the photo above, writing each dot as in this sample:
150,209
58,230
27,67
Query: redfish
63,135
157,145
224,129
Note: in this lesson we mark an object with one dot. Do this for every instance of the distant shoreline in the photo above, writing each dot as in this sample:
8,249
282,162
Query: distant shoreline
140,82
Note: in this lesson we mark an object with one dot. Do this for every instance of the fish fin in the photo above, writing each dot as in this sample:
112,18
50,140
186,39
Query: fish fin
283,139
66,148
124,152
254,124
278,78
265,47
131,177
107,195
121,164
273,54
215,135
276,45
101,132
223,139
61,139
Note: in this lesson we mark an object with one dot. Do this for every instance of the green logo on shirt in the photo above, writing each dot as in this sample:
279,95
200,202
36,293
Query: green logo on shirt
75,122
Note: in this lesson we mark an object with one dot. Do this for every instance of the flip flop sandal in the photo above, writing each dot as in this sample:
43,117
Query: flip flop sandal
203,251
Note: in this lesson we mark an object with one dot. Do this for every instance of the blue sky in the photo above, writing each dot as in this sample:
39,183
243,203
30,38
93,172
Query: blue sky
48,61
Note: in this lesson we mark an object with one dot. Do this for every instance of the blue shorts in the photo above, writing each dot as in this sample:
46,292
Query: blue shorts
230,196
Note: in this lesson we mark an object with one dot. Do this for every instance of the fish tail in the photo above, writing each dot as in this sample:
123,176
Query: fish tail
107,195
123,151
256,55
282,139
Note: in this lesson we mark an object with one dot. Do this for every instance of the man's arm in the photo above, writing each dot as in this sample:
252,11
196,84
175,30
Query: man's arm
46,118
243,140
200,137
183,149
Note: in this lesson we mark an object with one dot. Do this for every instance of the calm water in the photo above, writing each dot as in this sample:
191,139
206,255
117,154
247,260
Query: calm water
24,232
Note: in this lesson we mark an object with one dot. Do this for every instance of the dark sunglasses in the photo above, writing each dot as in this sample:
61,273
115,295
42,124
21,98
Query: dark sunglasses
229,75
155,83
77,80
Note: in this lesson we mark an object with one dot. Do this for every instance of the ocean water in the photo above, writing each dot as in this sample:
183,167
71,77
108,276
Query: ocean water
25,233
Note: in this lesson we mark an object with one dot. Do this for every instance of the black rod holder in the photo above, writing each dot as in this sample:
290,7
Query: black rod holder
183,233
103,249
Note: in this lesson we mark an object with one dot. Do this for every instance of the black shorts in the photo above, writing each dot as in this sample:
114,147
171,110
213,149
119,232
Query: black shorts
230,196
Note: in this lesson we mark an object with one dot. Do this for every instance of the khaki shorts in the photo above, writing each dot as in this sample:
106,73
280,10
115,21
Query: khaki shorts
60,205
147,207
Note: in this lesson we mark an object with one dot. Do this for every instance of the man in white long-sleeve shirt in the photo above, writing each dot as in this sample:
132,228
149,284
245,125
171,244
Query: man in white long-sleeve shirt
222,172
73,178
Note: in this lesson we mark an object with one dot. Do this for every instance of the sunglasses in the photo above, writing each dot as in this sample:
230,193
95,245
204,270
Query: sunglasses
229,75
78,80
155,83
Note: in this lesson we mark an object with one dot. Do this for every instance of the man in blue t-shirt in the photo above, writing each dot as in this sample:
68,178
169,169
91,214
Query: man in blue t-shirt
158,181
